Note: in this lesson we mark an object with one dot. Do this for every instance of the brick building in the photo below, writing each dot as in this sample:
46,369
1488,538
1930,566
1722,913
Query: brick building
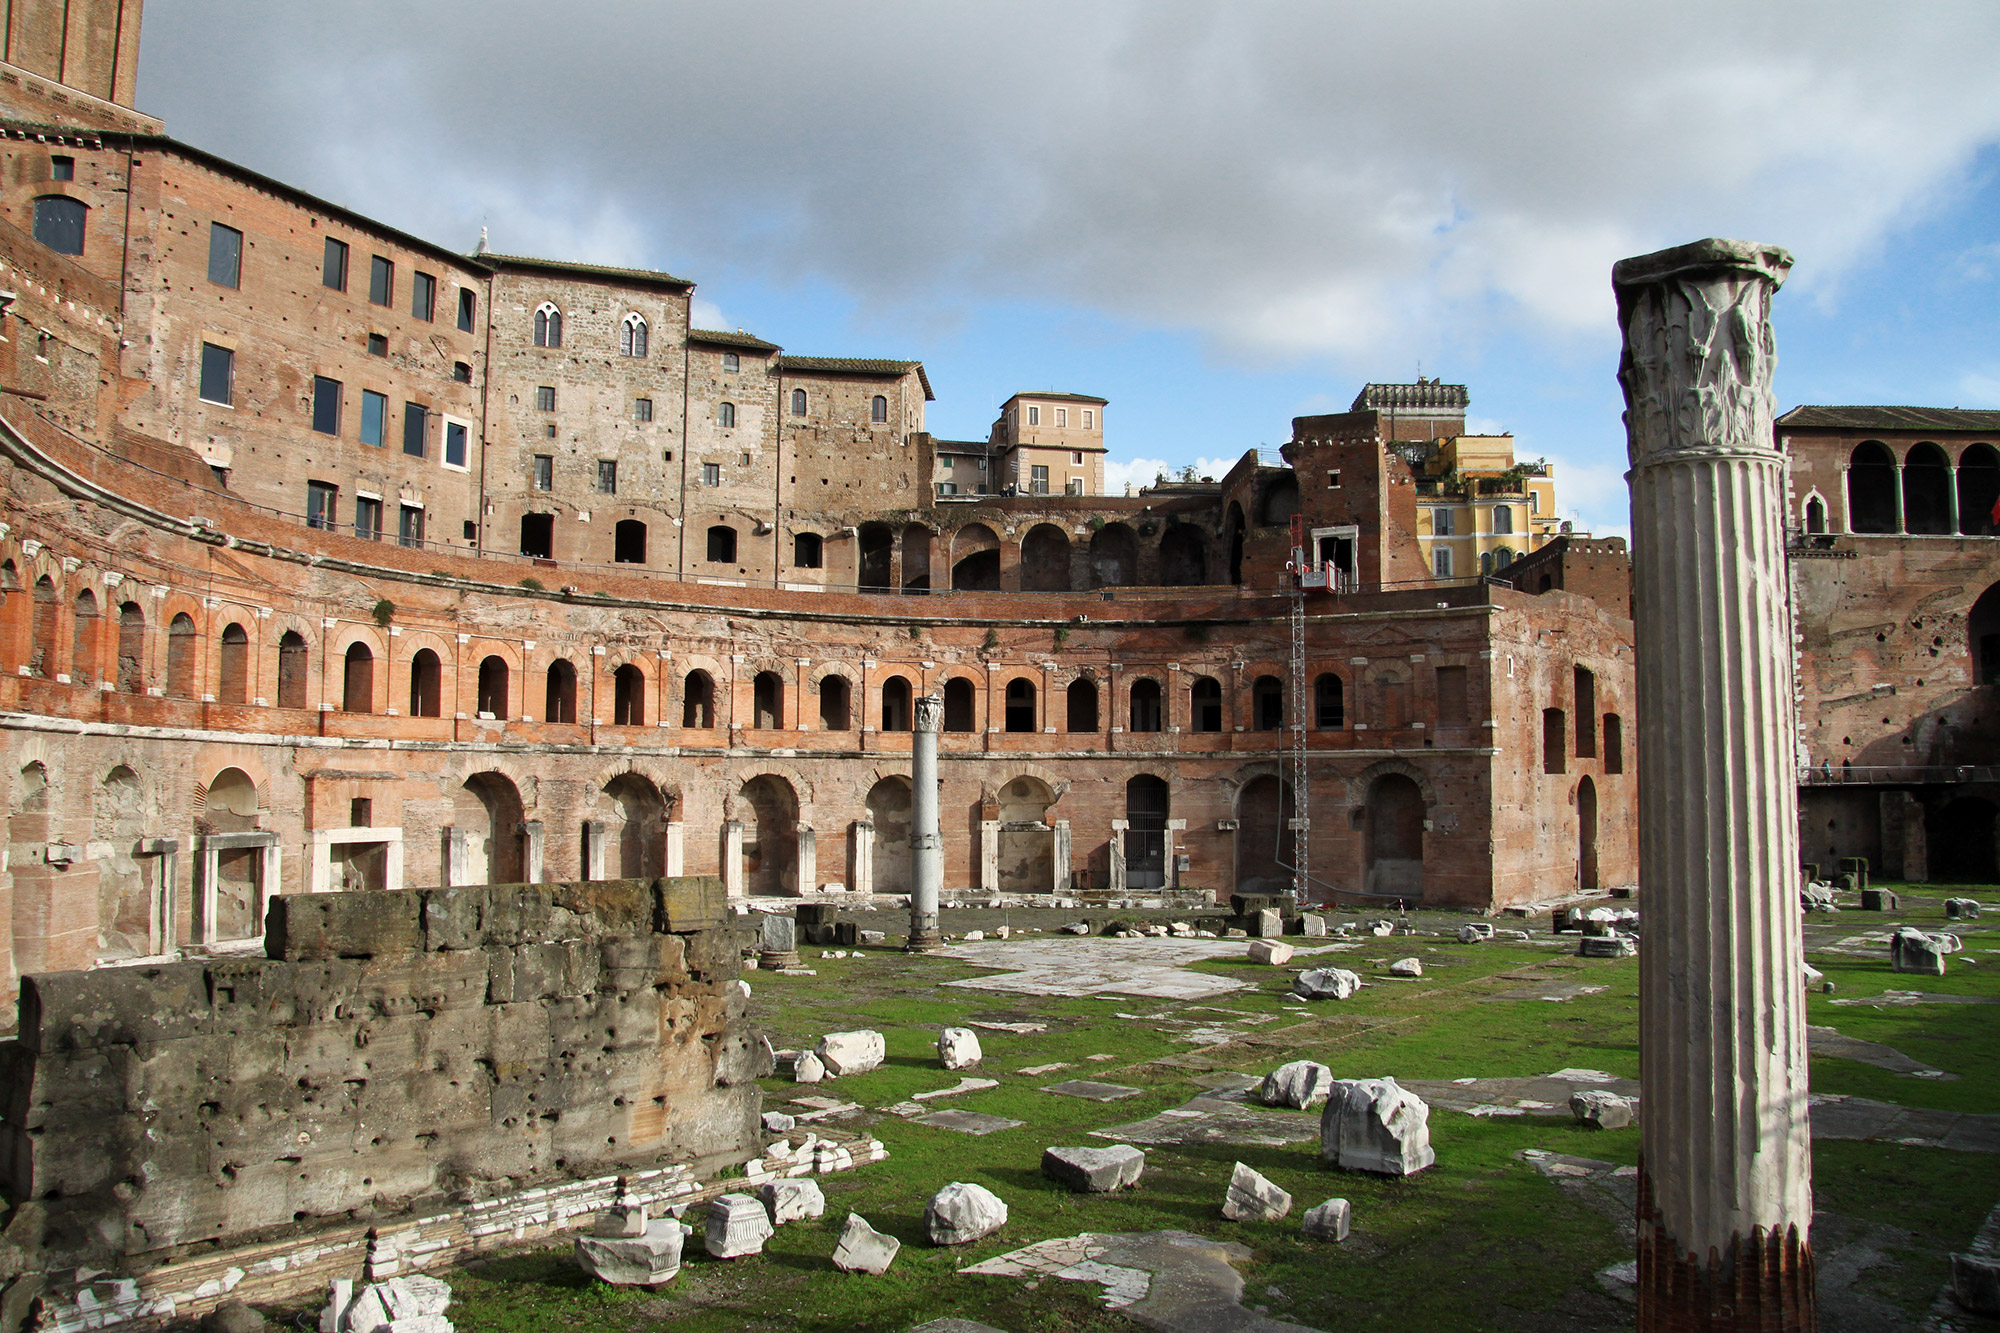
332,558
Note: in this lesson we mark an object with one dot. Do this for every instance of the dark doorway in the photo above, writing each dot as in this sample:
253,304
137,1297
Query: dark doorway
559,698
628,542
1394,838
1146,802
1928,504
836,704
1586,836
878,550
1960,835
1871,488
1045,559
1266,844
1183,556
959,704
1978,489
1082,698
1020,705
538,536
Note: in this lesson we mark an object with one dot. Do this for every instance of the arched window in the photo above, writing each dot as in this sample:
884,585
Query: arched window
1205,704
698,701
895,704
959,704
60,223
1585,692
628,542
426,684
767,697
83,639
1082,700
131,649
722,545
357,694
42,648
1503,556
1267,703
725,415
878,409
1329,703
180,657
1978,490
1871,488
232,684
836,711
1815,515
493,687
632,335
559,697
548,325
1928,504
1020,705
798,402
628,697
1146,710
292,663
808,550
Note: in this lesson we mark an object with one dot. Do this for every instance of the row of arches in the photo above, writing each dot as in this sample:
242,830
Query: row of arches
1926,492
1047,558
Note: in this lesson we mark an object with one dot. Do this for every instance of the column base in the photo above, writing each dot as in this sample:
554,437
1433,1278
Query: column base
1762,1284
770,961
924,941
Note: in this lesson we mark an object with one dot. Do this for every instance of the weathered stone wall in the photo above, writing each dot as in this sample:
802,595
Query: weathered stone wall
393,1053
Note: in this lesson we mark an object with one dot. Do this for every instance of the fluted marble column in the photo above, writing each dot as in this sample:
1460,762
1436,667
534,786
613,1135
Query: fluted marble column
926,838
1725,1184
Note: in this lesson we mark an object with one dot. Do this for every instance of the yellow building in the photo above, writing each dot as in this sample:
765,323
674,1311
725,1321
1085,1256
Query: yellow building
1478,509
1049,444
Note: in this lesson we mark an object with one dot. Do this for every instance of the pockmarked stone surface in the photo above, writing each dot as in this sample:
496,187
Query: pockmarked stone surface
846,1053
1326,1221
863,1249
967,1122
1601,1110
1252,1198
1326,983
963,1212
1092,1091
646,1260
1094,1170
791,1200
737,1226
1301,1084
1371,1124
958,1048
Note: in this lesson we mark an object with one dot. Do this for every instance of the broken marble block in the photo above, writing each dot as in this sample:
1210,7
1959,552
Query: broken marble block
1406,967
845,1053
737,1226
647,1259
400,1305
1962,909
1094,1170
1312,924
1267,923
1975,1282
958,1048
1880,900
872,937
808,1068
1371,1124
791,1200
1910,950
1607,946
1301,1085
1326,1222
961,1213
1602,1110
777,1122
1251,1198
1326,983
1077,928
1274,952
863,1249
1472,932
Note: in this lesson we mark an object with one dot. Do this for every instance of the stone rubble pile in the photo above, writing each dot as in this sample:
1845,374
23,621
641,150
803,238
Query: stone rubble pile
1474,932
1962,909
399,1305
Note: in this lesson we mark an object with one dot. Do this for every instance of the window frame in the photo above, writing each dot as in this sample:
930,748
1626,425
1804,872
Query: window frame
607,476
734,540
323,497
548,330
642,410
878,410
544,478
230,251
62,167
380,403
725,416
545,397
368,507
800,403
226,359
423,296
711,474
462,428
382,280
53,222
333,264
404,537
420,416
468,309
634,335
732,362
321,384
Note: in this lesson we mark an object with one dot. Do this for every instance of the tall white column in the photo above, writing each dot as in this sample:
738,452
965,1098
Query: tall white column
926,837
1725,1183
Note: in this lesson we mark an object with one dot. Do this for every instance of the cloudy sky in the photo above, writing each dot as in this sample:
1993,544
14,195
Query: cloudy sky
1218,216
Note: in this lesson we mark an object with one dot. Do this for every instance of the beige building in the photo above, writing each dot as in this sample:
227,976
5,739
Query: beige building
1049,444
1478,510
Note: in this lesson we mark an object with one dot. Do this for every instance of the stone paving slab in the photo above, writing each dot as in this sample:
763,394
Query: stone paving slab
954,1326
967,1122
1830,1041
1547,1095
1090,1090
1835,1117
1550,989
1210,1119
1903,997
1094,965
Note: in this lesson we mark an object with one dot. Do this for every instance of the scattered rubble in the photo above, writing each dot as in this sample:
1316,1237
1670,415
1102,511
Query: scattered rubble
1474,932
1252,1198
1094,1170
863,1249
1962,909
1329,1221
400,1305
808,1068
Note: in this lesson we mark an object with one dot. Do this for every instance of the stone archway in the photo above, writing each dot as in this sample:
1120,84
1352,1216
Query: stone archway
129,921
768,808
487,810
889,812
634,815
1266,844
1393,838
1586,836
1026,851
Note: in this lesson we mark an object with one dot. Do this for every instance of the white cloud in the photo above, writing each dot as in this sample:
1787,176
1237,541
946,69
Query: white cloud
1140,472
1594,496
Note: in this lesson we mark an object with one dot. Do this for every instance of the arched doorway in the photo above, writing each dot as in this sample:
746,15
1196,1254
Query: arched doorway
1045,559
1266,845
769,810
1183,556
1393,838
1114,556
975,559
487,810
232,807
889,812
129,921
1978,489
1586,836
876,547
635,828
960,704
1146,806
492,698
916,558
1871,488
1960,836
1027,840
1928,504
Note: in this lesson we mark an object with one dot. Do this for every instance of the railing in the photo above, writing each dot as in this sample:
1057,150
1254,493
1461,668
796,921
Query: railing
1826,775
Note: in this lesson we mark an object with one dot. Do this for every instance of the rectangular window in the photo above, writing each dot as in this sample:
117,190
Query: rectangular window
225,255
410,526
334,272
62,168
374,417
545,398
642,409
423,296
381,281
1087,416
731,361
367,517
1333,481
1034,416
1441,562
545,472
607,476
378,344
416,423
1076,458
947,488
711,474
218,374
1038,480
1074,486
1451,697
466,305
1062,416
322,504
326,405
455,435
1441,523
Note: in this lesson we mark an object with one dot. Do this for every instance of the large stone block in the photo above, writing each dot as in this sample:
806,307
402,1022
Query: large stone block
1371,1124
1252,1198
67,1011
687,903
1094,1170
1326,983
961,1213
343,925
792,1200
1301,1085
647,1260
846,1053
863,1249
1911,950
737,1226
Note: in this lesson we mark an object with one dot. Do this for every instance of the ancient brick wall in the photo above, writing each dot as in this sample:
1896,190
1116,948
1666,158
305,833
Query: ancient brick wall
89,45
392,1053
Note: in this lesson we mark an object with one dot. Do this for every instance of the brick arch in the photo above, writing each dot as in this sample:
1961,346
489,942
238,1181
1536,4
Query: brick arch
652,771
477,650
989,790
802,787
850,674
345,637
526,780
1358,785
212,760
